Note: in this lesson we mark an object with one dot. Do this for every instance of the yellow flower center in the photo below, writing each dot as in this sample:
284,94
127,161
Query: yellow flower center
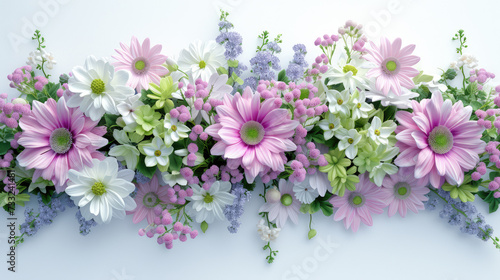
97,86
340,101
157,153
350,140
331,126
174,127
98,188
377,132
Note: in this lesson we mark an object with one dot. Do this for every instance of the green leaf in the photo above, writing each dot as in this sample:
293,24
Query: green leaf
175,162
475,105
450,74
326,208
493,175
422,78
315,207
304,93
4,147
46,198
494,205
236,78
204,226
145,170
110,120
488,197
221,70
282,76
232,63
305,208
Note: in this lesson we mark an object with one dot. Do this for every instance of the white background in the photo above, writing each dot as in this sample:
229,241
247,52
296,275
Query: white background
418,247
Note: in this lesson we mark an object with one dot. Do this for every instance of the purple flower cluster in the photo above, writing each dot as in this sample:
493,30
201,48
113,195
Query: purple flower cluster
85,225
263,65
296,67
463,214
233,212
232,42
46,213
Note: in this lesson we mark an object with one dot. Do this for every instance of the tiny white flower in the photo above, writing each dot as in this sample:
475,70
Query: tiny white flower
402,101
338,102
175,130
379,132
157,153
349,140
379,172
330,125
360,108
127,108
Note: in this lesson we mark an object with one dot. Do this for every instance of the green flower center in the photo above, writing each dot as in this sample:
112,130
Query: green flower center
331,126
351,68
252,133
350,140
358,105
97,86
391,65
402,190
174,128
61,140
440,140
356,199
139,65
377,132
286,199
98,188
150,200
208,198
340,101
157,153
202,64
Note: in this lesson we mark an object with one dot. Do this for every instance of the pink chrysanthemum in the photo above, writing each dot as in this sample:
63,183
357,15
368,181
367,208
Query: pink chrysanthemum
392,65
358,206
142,61
403,191
148,196
439,139
56,139
252,134
286,206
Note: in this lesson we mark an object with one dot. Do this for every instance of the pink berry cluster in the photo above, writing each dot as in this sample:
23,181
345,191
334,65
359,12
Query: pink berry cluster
327,40
351,29
177,195
480,76
181,113
166,230
320,66
12,111
306,160
486,118
20,78
196,132
494,153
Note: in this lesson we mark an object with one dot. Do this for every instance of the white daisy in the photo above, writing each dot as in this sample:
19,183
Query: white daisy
379,132
175,130
209,205
127,108
304,192
338,102
360,108
349,140
330,125
201,60
156,152
126,151
101,191
402,101
98,88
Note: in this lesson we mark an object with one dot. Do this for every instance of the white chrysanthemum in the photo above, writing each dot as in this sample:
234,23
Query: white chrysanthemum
379,132
127,109
98,88
157,153
304,192
338,102
402,101
202,59
330,125
209,205
101,191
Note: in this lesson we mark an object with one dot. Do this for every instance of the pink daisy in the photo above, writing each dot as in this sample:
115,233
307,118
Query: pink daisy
439,139
143,62
252,134
286,207
403,191
58,138
392,65
357,206
148,196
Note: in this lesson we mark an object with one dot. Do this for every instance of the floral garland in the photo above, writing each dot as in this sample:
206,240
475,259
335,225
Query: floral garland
181,144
